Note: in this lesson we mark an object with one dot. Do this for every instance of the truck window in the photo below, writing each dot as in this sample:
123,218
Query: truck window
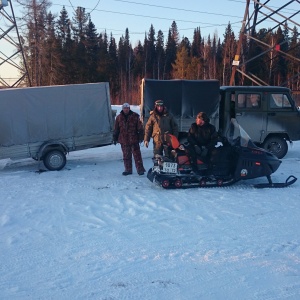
279,101
251,101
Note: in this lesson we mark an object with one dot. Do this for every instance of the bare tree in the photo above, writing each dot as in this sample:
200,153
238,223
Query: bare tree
35,16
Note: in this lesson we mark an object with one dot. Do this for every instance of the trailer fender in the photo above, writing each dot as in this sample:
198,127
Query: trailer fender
53,154
49,146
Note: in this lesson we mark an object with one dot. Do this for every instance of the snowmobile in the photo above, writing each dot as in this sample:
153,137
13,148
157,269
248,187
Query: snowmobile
235,158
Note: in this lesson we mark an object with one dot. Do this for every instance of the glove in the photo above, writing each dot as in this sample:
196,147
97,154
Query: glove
146,143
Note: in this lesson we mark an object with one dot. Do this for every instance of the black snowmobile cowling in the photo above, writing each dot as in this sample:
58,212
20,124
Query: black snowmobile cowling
268,113
235,158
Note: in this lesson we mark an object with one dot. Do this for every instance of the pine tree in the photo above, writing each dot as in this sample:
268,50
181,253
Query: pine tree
139,62
160,54
171,49
35,17
207,58
79,25
229,46
219,59
51,63
259,62
113,74
149,47
283,60
213,62
294,65
196,44
182,62
125,56
92,53
196,55
63,32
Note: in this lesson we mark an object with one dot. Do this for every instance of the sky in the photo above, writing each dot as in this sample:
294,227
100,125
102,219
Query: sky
87,232
115,16
137,16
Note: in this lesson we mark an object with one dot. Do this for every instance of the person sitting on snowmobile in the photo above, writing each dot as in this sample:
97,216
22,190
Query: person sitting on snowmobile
202,138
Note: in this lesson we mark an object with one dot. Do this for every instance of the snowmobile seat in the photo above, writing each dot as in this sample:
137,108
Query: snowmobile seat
171,141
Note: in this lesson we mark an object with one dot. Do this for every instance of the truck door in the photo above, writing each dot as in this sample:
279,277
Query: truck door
282,116
249,114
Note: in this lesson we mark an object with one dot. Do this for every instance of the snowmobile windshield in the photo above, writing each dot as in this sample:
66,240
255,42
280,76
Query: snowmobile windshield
237,135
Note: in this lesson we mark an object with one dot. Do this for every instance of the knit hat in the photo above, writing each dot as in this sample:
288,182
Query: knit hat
159,103
125,105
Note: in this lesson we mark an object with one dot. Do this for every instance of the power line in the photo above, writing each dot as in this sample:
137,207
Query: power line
72,5
179,9
84,7
203,25
94,7
154,17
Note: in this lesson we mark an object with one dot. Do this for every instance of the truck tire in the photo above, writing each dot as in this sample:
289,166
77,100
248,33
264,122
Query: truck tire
54,160
276,145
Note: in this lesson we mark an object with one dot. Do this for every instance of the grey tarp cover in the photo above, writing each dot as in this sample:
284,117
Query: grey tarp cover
183,98
48,113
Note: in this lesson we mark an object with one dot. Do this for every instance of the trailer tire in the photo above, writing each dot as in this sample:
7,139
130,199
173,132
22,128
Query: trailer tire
276,145
54,160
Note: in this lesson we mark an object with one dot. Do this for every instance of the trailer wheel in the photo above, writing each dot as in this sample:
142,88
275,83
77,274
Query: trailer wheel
54,160
276,145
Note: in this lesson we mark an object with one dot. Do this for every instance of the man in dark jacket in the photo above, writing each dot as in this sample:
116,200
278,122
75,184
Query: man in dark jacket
159,122
202,138
129,133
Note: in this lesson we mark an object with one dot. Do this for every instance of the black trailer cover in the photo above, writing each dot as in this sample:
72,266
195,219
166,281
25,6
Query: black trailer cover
183,98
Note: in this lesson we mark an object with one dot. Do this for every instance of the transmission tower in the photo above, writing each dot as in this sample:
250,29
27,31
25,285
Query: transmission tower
263,15
13,68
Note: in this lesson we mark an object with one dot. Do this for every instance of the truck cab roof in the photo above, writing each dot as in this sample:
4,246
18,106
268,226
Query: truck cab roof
255,88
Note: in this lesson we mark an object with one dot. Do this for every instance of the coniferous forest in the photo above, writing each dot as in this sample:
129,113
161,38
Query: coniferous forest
69,50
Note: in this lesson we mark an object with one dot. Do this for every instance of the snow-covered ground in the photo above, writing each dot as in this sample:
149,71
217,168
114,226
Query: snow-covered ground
87,232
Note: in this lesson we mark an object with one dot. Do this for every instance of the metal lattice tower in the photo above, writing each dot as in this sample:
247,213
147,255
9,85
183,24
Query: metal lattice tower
261,15
13,69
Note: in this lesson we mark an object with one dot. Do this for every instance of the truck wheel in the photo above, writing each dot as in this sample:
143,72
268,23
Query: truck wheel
276,145
54,160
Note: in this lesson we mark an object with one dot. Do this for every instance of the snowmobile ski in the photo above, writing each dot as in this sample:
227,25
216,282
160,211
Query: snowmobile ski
289,181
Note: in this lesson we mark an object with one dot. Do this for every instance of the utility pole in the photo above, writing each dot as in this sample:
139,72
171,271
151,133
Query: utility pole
13,67
262,15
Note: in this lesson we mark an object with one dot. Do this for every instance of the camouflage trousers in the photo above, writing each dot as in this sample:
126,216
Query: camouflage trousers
160,148
135,151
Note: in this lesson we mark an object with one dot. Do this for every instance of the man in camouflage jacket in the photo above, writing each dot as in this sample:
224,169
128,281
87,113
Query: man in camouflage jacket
159,122
129,133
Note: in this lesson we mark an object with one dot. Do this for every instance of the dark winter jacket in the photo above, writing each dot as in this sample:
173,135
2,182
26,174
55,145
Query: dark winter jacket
158,124
205,135
128,129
